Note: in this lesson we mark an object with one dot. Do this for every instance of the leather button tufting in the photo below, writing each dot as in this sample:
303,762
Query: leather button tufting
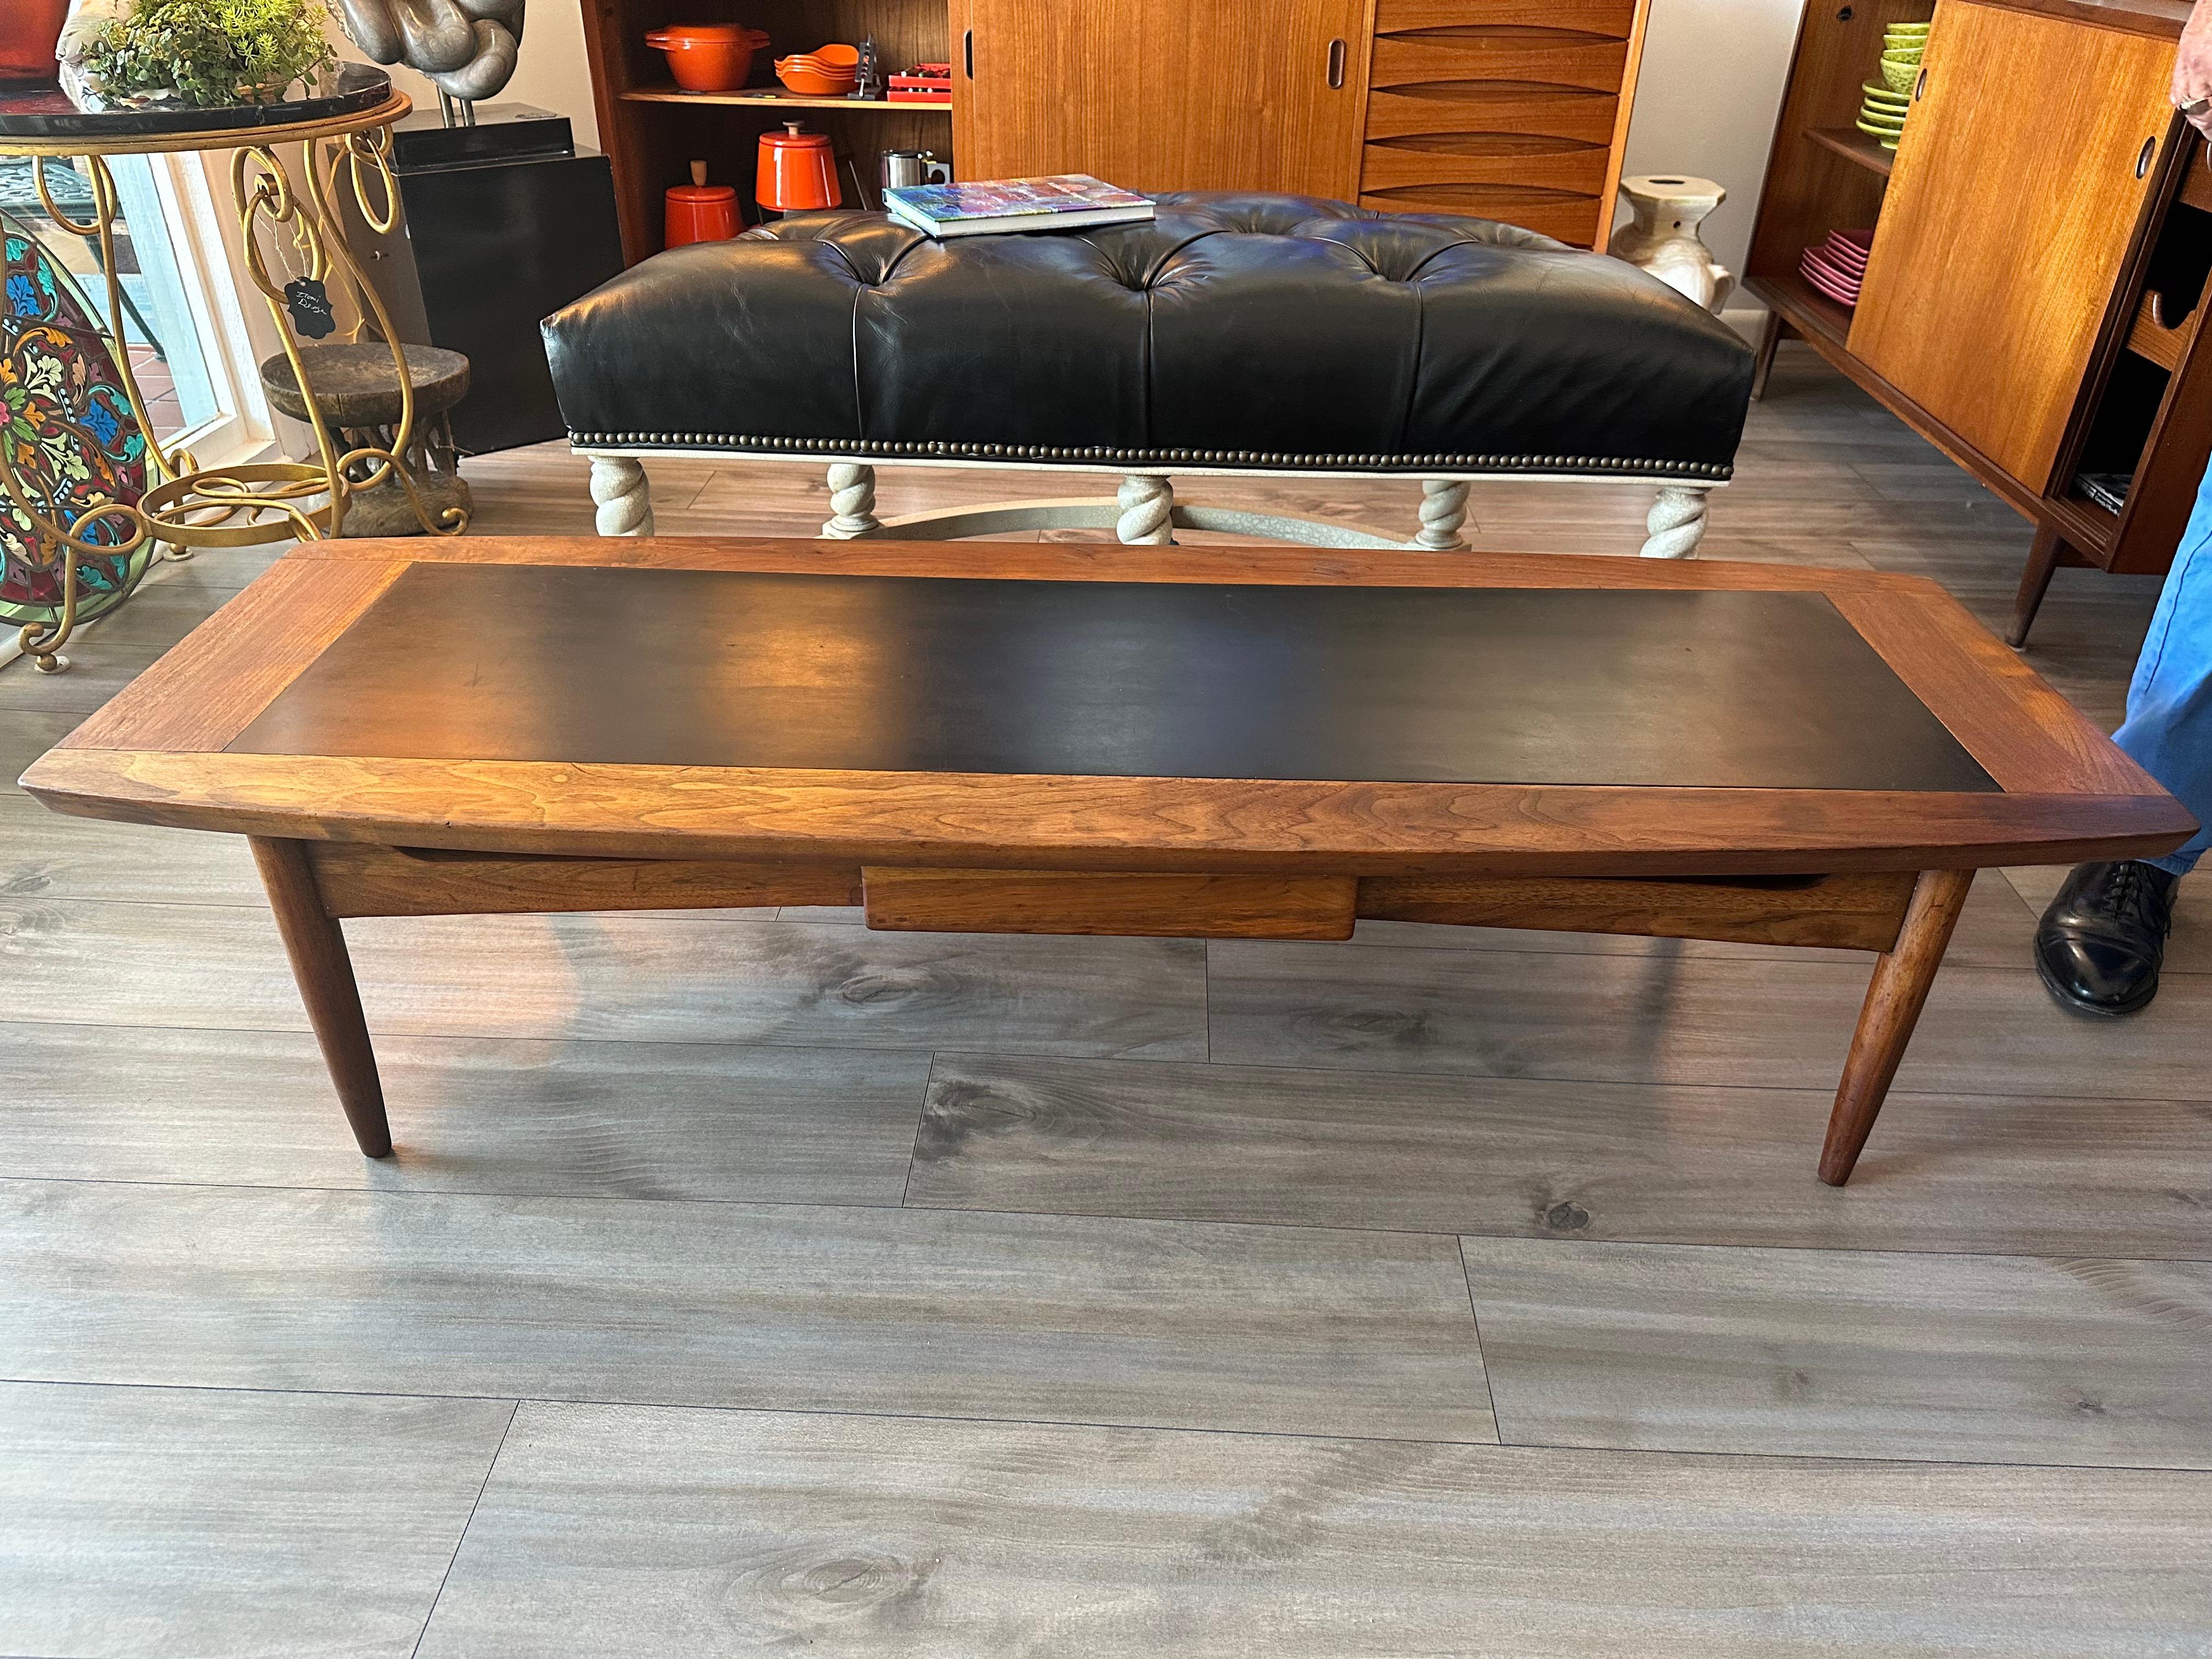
1235,329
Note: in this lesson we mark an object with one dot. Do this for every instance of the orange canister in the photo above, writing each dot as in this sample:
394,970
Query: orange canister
700,212
798,169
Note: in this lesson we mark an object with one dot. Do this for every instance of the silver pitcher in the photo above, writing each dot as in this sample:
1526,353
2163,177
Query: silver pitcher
903,169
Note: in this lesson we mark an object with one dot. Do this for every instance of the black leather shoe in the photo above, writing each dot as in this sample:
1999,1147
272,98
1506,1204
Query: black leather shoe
2101,941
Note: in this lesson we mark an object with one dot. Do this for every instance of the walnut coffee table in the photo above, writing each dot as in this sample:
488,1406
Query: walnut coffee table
1260,743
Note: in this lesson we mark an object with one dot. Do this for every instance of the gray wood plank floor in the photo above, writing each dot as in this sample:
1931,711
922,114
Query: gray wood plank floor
747,1281
165,1521
668,1532
1977,1359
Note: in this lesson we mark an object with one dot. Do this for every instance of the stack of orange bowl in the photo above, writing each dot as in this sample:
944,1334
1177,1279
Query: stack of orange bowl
829,72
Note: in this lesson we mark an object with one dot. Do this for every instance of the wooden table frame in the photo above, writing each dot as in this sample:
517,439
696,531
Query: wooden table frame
336,837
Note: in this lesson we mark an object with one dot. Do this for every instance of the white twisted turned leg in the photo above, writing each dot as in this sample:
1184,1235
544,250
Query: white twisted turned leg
1147,504
622,494
851,502
1444,510
1677,522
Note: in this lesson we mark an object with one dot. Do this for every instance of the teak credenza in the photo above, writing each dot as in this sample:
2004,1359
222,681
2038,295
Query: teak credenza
2034,301
1514,110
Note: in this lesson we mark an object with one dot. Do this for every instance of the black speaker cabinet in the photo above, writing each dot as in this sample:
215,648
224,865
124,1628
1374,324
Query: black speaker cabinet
504,223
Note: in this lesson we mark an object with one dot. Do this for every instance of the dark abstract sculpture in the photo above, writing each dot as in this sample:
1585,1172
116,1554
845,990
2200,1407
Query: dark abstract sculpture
468,48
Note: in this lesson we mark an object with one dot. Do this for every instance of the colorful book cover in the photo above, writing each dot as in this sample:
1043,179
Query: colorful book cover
1012,199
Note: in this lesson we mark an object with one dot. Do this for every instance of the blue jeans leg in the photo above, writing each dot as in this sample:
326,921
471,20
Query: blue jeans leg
2168,730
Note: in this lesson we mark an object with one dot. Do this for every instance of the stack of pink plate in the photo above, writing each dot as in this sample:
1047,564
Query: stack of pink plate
1838,266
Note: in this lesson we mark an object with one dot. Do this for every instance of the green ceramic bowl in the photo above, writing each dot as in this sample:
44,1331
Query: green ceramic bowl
1908,31
1889,136
1877,94
1900,75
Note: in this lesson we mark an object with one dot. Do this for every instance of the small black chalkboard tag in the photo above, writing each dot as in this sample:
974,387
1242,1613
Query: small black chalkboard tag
309,302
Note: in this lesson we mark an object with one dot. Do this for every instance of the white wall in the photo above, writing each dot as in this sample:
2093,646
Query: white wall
1705,104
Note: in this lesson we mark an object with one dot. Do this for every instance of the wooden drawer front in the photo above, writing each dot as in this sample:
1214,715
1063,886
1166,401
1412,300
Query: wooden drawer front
1171,906
356,879
1446,109
1502,109
1610,18
1563,214
1853,912
1570,166
1551,57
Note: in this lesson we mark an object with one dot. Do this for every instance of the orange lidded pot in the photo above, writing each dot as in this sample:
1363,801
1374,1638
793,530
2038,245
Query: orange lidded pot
700,212
708,57
798,170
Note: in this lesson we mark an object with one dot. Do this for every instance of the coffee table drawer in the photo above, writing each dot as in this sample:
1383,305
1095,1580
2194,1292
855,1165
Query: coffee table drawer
1186,905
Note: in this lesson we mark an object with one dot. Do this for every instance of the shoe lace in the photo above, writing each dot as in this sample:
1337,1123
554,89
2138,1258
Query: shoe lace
2135,898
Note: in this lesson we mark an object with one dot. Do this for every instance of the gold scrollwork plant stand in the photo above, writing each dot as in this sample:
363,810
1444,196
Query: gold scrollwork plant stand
185,508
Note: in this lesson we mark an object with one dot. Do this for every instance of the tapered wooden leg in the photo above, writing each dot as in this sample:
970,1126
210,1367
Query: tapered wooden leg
2043,558
324,972
1893,1001
1770,340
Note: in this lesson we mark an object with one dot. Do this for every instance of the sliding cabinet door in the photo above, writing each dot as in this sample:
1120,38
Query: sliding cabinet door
2026,164
1162,95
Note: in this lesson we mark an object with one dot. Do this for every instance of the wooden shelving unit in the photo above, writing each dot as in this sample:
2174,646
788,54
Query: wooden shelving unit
773,98
1811,312
1497,108
1853,146
652,131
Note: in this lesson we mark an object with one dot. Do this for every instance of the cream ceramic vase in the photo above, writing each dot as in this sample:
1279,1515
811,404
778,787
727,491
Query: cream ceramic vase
1663,237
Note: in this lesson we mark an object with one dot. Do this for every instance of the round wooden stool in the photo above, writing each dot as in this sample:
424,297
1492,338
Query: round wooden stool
357,387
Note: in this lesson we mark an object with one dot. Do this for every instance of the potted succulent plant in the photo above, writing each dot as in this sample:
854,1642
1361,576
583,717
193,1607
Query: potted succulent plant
203,54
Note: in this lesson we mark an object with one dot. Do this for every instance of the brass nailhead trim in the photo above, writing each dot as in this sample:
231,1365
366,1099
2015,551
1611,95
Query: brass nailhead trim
1160,456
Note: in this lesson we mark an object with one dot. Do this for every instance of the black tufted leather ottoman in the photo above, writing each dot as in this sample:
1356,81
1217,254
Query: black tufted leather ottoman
1235,333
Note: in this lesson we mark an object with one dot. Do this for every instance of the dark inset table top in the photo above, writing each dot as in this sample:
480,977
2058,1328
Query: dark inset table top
1711,689
1097,707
